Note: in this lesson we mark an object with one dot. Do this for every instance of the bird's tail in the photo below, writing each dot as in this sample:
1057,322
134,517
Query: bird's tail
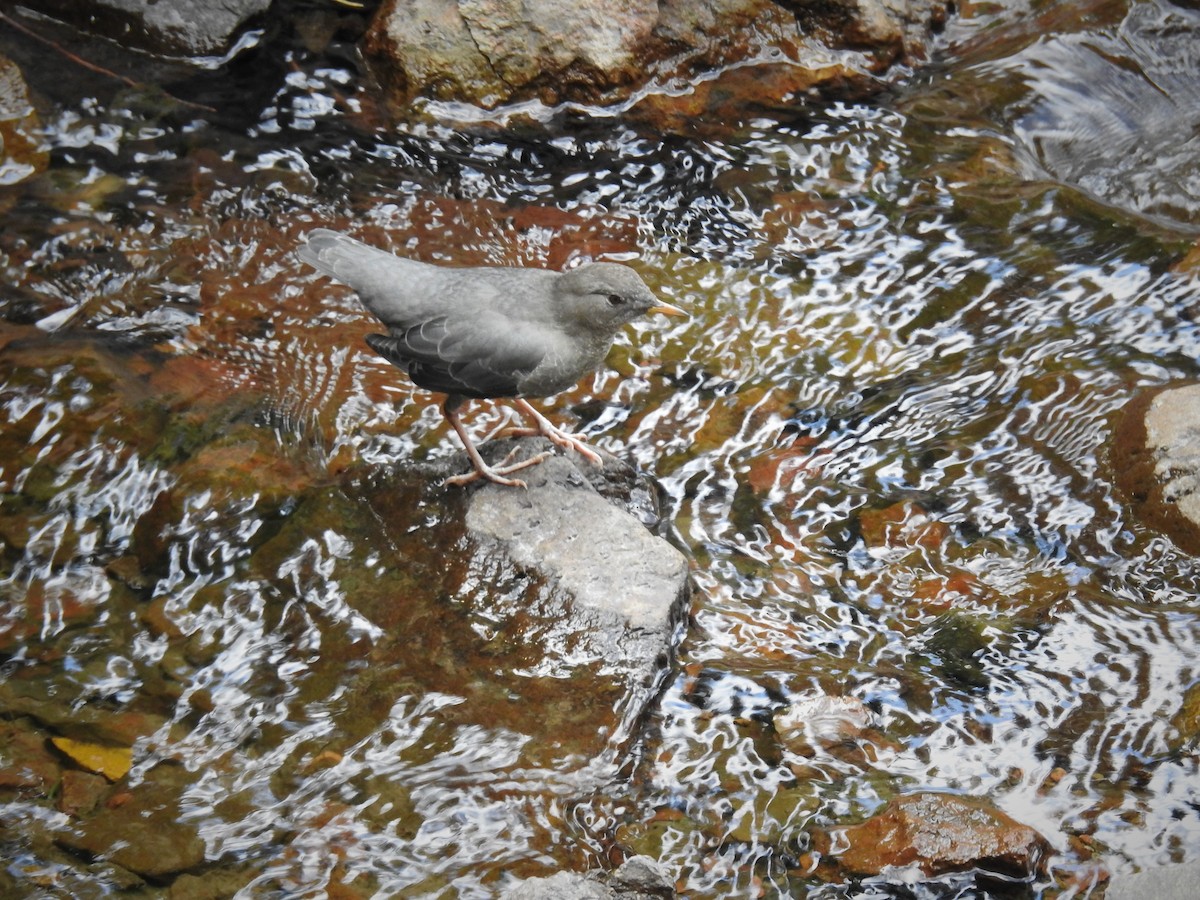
339,256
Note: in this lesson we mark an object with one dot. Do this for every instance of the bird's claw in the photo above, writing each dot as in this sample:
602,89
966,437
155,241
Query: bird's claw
577,443
498,474
548,429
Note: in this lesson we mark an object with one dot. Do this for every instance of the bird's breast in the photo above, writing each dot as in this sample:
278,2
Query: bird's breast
564,365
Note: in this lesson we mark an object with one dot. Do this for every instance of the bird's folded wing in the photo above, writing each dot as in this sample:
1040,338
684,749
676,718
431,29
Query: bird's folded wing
460,357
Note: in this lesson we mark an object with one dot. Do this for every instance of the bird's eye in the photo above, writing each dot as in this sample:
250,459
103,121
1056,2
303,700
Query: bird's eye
615,299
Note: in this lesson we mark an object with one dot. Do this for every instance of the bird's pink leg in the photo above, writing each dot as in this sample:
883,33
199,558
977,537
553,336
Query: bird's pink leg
546,428
482,469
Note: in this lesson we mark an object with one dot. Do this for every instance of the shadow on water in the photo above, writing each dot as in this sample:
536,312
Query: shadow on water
881,438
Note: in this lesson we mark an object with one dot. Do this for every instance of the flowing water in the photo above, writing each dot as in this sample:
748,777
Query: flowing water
881,438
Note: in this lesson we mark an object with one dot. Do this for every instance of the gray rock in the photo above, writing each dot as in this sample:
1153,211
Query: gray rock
891,28
1173,435
550,611
1167,883
491,52
597,552
183,27
639,878
624,588
560,886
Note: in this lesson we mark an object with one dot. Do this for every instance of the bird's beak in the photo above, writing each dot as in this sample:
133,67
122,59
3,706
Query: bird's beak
668,310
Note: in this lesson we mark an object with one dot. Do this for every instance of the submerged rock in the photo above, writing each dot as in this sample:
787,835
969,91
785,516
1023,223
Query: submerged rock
141,830
937,834
816,721
1156,460
26,766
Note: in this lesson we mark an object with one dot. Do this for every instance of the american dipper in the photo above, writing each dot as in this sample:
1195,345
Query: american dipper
488,331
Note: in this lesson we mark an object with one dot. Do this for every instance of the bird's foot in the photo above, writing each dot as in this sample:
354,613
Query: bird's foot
564,439
498,474
557,436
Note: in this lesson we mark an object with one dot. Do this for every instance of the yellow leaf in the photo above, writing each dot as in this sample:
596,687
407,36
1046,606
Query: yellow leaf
111,762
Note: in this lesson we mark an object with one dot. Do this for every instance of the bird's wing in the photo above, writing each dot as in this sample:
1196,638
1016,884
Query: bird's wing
457,356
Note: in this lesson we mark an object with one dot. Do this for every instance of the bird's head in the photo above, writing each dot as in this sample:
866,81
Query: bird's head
604,296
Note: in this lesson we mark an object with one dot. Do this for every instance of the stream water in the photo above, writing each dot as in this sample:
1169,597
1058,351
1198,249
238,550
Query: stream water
881,438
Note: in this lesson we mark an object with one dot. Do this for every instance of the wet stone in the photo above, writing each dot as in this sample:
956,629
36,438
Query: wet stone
85,723
20,153
216,884
1187,718
190,27
489,53
1156,460
143,833
638,878
81,792
937,834
549,612
622,588
27,766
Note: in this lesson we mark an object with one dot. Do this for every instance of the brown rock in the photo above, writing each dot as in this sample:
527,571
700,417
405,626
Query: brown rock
81,792
214,884
903,524
21,151
85,723
26,764
487,51
892,29
1155,448
143,834
937,833
1187,718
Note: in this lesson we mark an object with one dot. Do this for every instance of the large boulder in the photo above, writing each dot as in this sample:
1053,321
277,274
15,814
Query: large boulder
493,52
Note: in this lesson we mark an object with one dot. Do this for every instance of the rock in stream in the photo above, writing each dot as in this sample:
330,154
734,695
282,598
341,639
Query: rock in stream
1156,460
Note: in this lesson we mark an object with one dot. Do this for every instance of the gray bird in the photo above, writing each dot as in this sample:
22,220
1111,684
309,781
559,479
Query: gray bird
489,332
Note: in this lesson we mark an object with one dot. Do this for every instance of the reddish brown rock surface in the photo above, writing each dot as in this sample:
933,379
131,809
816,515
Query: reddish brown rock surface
938,834
1153,460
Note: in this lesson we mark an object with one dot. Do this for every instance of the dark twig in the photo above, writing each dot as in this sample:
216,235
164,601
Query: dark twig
100,70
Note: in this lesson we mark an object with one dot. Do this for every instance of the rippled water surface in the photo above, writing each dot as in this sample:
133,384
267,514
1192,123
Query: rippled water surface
881,438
